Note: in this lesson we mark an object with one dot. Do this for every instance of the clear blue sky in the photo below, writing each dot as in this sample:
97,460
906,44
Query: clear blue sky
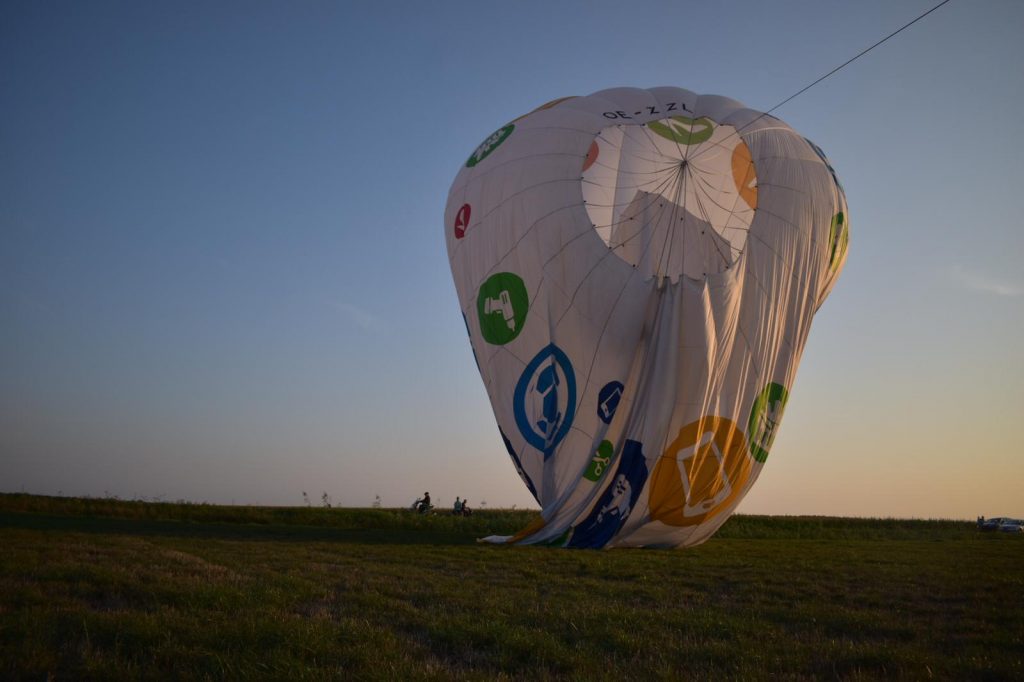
223,274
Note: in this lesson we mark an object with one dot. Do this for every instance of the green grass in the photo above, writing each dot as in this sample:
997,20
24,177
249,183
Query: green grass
111,589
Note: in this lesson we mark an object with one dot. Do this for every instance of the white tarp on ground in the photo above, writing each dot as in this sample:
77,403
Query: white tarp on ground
638,271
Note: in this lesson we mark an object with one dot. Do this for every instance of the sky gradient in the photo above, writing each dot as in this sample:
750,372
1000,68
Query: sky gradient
223,274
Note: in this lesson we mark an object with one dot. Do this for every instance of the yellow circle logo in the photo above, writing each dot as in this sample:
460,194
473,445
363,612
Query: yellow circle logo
701,473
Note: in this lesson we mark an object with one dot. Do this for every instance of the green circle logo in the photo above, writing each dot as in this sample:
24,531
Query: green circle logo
489,145
502,305
683,129
765,416
600,461
838,239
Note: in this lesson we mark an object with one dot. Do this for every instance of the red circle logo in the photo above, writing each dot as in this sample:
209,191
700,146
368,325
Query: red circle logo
462,221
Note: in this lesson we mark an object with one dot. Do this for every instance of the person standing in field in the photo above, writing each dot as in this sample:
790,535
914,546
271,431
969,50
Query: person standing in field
457,509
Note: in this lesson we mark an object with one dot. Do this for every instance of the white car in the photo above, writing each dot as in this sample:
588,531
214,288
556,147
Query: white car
1012,526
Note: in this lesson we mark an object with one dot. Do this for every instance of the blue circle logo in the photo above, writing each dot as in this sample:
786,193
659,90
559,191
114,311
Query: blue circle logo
545,399
608,400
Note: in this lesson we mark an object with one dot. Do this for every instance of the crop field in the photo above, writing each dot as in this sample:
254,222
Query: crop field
101,589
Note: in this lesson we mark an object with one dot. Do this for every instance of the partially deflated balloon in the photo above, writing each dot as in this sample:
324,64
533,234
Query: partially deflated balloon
638,270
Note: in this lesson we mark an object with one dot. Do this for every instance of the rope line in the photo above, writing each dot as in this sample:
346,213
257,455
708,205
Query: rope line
855,58
849,61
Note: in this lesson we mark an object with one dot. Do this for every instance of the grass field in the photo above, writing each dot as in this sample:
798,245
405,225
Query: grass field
99,589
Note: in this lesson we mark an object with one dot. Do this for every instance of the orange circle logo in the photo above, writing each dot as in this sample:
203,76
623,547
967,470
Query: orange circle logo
591,156
700,474
743,174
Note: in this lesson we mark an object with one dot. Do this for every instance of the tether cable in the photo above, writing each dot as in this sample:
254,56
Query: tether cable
853,59
849,61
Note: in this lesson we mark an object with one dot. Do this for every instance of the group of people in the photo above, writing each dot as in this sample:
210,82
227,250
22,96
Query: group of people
423,506
461,508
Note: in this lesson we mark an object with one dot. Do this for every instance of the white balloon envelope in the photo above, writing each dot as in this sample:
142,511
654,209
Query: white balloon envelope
638,270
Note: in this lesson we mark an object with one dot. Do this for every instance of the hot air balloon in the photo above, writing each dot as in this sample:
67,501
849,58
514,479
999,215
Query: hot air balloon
638,271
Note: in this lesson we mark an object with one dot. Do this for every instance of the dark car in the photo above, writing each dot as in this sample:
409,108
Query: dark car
991,524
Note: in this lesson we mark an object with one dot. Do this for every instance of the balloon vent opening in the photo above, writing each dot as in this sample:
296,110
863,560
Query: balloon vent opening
671,197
